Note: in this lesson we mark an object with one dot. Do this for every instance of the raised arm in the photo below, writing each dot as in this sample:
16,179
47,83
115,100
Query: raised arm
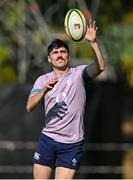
91,38
33,100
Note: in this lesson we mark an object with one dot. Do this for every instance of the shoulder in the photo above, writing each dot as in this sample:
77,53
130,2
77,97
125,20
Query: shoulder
84,71
79,68
39,83
44,77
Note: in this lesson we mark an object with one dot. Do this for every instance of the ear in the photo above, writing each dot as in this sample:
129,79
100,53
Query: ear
49,60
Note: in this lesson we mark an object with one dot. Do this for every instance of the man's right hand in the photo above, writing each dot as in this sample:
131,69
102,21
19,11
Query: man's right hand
50,84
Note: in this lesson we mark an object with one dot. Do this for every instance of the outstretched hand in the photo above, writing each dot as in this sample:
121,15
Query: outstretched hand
91,31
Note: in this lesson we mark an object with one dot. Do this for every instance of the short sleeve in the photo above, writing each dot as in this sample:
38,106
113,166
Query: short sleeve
38,85
80,69
91,71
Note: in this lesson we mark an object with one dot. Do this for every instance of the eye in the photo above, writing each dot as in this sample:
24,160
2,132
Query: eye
55,52
64,51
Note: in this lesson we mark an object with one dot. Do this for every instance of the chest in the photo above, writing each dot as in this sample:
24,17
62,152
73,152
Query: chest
65,88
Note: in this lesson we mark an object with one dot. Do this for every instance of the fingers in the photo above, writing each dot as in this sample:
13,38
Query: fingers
50,84
92,24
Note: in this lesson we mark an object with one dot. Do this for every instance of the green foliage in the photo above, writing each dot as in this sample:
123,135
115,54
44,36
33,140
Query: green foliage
128,65
4,53
128,18
82,50
7,74
114,19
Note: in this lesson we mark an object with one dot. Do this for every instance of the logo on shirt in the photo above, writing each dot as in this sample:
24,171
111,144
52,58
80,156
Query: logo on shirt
36,156
74,161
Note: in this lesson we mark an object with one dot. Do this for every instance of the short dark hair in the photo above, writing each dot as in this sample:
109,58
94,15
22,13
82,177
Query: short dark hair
57,43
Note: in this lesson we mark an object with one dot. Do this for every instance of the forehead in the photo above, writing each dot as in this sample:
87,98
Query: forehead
59,49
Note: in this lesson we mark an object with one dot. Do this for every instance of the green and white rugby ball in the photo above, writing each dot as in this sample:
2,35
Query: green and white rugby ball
75,24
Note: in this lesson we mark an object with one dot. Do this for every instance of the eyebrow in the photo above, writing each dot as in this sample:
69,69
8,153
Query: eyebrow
62,50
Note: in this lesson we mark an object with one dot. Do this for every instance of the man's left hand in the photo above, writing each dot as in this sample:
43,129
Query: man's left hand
91,31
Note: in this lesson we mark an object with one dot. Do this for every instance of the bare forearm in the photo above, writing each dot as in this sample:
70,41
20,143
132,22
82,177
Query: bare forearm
34,100
99,55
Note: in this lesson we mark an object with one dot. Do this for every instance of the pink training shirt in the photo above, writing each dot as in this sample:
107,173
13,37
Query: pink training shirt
64,105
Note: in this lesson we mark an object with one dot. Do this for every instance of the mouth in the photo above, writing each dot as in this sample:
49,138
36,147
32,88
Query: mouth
60,60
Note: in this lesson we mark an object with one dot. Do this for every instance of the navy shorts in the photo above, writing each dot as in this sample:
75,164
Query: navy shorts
55,154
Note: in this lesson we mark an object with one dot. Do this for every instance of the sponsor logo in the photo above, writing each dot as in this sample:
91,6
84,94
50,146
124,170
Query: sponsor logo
74,161
36,156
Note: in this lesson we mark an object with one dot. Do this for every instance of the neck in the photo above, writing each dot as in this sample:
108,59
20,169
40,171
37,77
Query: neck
61,72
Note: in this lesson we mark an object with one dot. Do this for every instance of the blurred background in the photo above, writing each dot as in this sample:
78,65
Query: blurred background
26,29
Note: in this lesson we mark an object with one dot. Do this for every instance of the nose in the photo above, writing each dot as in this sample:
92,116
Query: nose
59,54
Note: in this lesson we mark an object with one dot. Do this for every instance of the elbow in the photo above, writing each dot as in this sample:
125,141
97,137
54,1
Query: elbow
28,108
102,68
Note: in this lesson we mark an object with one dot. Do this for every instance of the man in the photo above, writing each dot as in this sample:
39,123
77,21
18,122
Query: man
63,93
